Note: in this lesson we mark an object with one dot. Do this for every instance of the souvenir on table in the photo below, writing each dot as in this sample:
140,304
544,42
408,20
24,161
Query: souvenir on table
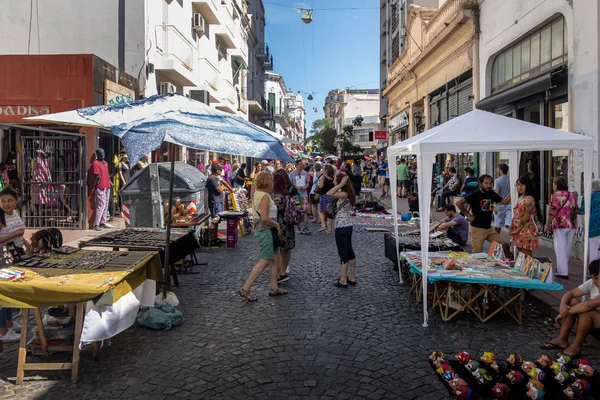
544,271
487,358
520,261
544,361
562,377
496,250
533,271
514,361
527,266
463,357
582,384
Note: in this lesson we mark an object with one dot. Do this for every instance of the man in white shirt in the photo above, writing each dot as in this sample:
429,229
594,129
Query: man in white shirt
585,313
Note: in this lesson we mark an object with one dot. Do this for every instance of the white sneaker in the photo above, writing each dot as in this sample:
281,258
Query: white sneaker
16,327
10,336
105,225
287,270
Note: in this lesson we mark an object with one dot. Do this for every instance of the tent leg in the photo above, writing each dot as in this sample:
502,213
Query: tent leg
167,286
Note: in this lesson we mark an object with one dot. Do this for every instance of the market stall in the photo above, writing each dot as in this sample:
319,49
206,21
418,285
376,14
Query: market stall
477,283
107,287
480,131
181,244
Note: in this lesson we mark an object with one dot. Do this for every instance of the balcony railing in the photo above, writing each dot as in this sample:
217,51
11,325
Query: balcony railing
269,64
442,18
262,53
170,43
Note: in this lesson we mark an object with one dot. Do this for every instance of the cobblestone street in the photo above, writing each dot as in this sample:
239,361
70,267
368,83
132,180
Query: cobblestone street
317,342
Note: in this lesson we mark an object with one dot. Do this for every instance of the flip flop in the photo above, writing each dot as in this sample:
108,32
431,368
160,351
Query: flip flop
551,346
322,229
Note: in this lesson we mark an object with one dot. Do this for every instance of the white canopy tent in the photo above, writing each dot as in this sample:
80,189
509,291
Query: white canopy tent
481,131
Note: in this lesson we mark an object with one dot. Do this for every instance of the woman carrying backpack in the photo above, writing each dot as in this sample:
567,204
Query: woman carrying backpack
344,194
283,195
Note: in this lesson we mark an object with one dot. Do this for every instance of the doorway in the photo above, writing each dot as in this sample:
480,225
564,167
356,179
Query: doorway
531,163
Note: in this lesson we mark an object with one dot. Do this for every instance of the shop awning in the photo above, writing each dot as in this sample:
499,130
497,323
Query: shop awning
525,89
240,64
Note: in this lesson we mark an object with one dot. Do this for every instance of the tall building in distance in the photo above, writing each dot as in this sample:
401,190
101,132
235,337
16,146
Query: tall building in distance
344,105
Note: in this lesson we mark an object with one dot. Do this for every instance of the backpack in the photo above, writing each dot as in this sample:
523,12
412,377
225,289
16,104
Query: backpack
332,208
293,211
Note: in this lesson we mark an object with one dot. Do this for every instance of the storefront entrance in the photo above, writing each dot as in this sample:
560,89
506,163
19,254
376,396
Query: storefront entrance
52,180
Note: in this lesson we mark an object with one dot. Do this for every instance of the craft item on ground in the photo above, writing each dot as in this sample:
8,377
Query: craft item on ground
435,355
564,359
463,357
514,361
582,384
515,377
544,361
500,391
573,393
556,367
533,392
487,358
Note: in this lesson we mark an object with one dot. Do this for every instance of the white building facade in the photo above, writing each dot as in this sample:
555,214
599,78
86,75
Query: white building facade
343,106
540,62
294,105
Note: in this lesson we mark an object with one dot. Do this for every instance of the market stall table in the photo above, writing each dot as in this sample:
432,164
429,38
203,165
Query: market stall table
182,243
409,242
483,285
103,284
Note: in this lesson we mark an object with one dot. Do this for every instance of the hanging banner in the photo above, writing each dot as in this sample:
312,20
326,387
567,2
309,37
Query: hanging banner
380,135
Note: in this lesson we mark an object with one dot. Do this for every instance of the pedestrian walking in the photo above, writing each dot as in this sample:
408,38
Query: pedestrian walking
240,177
316,172
283,192
325,185
344,195
523,230
266,231
101,190
594,219
562,223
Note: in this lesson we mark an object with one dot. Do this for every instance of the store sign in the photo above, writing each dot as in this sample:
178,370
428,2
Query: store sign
399,121
23,111
117,94
380,135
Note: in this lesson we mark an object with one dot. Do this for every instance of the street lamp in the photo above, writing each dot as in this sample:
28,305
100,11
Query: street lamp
306,15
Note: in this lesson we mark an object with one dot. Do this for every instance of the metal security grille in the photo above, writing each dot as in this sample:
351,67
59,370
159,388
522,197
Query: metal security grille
52,183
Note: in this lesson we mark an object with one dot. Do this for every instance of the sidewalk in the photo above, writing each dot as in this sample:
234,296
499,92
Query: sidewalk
547,302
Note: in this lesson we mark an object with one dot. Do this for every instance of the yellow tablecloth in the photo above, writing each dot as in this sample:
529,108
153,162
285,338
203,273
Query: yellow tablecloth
45,287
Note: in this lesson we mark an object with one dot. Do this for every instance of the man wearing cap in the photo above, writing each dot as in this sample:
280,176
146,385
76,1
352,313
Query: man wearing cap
216,189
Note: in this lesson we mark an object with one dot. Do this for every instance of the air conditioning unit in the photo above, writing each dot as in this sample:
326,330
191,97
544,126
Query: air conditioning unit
199,23
202,96
167,88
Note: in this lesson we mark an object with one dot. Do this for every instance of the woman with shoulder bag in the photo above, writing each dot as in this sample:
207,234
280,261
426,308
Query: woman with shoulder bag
266,231
344,195
316,172
562,223
324,186
283,189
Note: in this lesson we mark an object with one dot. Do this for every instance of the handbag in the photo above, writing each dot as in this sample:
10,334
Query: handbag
276,242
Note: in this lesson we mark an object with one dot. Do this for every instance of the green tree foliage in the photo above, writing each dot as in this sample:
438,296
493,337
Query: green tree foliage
347,146
323,135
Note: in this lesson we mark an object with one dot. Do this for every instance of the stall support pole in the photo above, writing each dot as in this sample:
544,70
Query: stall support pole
167,286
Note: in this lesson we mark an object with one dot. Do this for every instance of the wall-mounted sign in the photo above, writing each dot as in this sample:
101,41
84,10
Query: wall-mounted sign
117,94
399,121
380,135
23,111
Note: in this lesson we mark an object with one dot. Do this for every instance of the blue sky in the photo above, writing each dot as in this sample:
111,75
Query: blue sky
339,49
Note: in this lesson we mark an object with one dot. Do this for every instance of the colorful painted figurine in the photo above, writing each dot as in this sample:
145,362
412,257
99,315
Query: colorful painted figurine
582,384
562,377
462,392
449,375
556,367
536,374
498,367
582,361
463,357
514,360
500,391
456,382
533,392
515,377
472,365
563,359
527,366
435,355
587,370
487,358
572,393
442,366
482,376
544,361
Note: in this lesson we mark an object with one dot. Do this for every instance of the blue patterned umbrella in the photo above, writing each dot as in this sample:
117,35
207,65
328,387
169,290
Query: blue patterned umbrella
144,125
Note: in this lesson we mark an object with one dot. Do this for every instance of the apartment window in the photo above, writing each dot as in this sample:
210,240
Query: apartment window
363,135
536,53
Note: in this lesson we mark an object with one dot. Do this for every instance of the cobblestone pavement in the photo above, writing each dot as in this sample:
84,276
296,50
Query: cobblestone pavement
318,342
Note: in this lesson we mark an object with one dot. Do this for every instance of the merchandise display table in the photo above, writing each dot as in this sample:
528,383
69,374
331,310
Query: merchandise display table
108,287
413,243
232,218
480,284
183,243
